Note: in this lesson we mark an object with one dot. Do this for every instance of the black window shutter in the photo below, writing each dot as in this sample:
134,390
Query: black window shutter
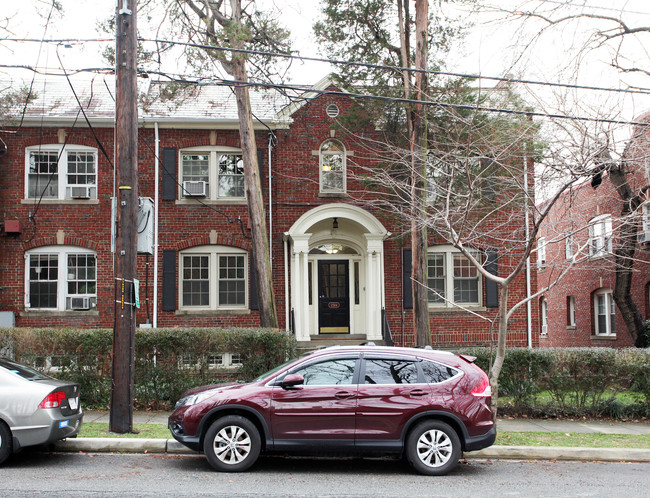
407,289
260,165
491,287
169,174
169,280
252,287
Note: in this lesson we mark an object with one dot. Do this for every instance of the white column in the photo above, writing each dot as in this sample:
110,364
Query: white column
299,291
375,285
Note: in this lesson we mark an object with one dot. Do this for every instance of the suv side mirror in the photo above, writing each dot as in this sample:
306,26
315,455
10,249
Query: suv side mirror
292,380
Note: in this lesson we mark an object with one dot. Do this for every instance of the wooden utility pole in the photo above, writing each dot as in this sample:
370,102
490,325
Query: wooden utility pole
418,184
126,178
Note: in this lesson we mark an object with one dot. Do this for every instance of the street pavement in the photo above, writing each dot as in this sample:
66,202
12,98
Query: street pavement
142,445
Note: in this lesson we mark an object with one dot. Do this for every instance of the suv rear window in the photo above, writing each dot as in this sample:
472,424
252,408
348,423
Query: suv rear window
435,373
390,371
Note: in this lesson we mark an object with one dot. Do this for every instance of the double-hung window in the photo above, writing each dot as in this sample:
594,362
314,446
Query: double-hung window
60,278
541,253
600,236
604,313
57,172
212,173
452,279
213,278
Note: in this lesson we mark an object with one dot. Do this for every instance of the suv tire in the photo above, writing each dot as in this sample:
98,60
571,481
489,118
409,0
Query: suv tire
232,444
433,448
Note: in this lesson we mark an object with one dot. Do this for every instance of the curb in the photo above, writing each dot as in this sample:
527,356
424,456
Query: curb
171,446
125,445
562,453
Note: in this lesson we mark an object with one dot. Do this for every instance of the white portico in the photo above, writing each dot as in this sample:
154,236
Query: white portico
336,272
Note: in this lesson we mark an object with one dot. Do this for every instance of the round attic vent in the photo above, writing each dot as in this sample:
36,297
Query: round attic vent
332,110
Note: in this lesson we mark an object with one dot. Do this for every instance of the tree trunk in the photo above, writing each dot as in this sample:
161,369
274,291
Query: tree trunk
418,186
495,371
262,264
624,255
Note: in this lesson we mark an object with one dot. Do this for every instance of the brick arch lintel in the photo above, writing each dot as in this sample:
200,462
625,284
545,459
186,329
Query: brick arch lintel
69,240
221,240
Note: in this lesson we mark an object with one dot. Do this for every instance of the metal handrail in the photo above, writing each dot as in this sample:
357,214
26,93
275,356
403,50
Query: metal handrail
385,329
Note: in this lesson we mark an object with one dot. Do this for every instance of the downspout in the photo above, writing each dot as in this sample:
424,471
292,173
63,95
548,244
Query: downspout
287,325
271,141
529,324
155,226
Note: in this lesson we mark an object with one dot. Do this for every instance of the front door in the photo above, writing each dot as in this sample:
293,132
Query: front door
333,297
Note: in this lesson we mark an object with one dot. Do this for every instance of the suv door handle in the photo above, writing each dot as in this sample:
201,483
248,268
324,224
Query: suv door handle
418,392
343,395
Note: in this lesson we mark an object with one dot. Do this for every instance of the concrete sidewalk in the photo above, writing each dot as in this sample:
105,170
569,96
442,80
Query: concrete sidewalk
508,425
170,446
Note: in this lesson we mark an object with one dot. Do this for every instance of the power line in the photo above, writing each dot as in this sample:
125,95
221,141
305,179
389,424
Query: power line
594,7
502,79
307,89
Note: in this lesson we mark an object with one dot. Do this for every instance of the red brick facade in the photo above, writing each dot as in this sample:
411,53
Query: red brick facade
573,305
184,225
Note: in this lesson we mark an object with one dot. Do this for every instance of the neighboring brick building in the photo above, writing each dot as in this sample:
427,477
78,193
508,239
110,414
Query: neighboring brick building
580,310
336,266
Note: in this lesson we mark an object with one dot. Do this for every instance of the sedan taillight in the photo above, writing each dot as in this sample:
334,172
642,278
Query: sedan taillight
482,389
53,400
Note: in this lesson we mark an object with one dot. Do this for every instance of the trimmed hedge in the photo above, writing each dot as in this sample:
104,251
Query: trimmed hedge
168,361
578,381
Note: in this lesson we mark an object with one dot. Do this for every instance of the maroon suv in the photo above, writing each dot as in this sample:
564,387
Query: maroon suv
426,405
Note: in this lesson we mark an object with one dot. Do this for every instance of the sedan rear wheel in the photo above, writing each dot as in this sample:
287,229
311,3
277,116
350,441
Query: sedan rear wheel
5,442
433,448
232,444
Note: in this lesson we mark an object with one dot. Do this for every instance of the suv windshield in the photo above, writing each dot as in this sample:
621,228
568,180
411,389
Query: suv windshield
24,372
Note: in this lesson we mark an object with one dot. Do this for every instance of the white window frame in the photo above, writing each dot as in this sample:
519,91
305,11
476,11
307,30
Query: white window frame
600,236
644,236
448,300
543,310
63,275
213,253
541,252
571,311
569,246
62,190
214,154
322,164
603,300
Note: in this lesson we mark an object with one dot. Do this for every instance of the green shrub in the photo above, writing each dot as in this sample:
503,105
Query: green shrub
571,382
167,361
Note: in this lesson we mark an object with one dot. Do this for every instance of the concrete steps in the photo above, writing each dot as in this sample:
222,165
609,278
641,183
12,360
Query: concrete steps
324,341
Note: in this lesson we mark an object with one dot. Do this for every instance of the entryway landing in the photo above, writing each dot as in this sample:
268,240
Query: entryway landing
324,341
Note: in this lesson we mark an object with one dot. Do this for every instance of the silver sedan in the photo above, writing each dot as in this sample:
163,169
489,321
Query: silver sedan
35,408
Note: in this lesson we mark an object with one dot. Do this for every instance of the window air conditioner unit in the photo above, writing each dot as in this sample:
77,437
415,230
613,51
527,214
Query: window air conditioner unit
80,191
81,303
194,188
644,237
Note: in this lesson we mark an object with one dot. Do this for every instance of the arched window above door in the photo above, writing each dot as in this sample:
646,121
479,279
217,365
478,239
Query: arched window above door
333,249
332,162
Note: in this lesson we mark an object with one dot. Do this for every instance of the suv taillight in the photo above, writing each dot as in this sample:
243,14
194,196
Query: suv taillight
482,389
53,400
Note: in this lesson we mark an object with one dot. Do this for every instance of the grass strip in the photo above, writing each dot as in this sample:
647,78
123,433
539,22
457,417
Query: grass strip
100,429
574,439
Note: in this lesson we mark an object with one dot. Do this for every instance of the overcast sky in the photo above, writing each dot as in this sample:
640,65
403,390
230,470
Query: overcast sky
493,47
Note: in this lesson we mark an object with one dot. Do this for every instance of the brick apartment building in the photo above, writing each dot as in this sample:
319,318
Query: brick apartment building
580,310
337,267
